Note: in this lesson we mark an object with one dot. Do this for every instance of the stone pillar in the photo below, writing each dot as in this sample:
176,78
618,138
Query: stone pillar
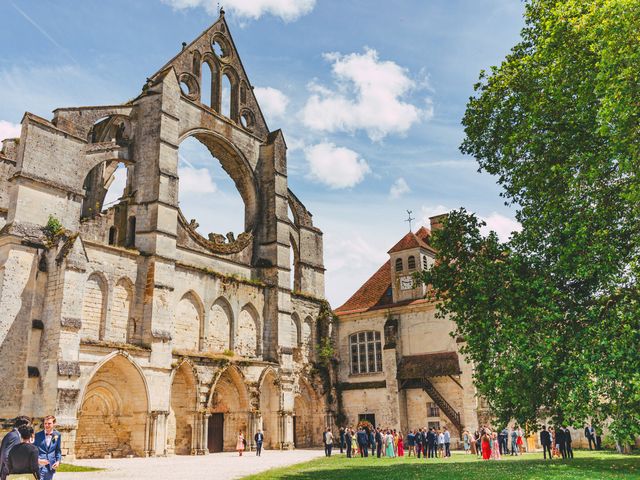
287,430
158,437
390,368
205,433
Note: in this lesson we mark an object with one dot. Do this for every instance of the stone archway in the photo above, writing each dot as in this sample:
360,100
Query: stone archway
113,413
307,419
229,408
182,411
269,408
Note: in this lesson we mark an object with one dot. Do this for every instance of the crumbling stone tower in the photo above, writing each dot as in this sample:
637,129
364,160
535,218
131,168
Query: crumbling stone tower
141,335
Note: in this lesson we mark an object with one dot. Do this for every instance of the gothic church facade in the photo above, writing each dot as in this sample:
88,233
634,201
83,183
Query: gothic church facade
141,335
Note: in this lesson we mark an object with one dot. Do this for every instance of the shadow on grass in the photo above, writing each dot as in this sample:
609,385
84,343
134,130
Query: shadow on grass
603,467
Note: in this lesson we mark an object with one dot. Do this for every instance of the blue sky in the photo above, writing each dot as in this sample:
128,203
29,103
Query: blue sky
369,95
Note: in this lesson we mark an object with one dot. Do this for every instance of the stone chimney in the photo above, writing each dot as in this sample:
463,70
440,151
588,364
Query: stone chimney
436,221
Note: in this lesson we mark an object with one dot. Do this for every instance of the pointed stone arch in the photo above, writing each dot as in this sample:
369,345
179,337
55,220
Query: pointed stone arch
270,406
308,417
113,412
183,405
296,330
94,307
249,333
120,328
188,323
229,407
220,329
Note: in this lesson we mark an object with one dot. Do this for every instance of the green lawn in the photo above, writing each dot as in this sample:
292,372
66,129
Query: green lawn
600,466
64,467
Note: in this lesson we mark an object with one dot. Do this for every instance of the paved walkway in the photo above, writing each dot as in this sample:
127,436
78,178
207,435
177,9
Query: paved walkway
221,466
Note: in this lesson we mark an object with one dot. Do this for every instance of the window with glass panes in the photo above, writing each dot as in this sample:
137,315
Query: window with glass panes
366,352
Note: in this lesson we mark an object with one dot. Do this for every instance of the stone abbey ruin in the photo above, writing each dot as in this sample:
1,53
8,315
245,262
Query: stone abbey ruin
142,336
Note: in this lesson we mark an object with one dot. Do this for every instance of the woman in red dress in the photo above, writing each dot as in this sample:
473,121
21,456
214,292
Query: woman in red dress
400,445
486,446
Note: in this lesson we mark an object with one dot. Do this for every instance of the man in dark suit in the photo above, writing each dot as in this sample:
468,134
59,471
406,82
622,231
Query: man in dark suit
348,439
545,441
341,439
363,442
10,440
259,438
48,442
590,434
372,441
23,458
418,442
378,442
567,442
561,442
431,443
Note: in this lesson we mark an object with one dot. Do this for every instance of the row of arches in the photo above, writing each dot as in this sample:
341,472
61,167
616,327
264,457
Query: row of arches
217,328
107,312
115,417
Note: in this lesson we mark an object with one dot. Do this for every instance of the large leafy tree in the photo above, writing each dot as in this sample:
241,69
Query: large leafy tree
552,317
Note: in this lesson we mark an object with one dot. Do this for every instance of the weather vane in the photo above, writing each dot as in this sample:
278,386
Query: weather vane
410,219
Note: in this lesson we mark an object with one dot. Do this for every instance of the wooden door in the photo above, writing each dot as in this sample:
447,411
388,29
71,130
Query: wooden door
216,428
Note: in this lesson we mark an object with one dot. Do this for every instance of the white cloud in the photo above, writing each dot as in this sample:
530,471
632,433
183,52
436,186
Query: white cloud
9,130
195,180
497,222
399,188
336,167
287,10
503,226
272,101
368,96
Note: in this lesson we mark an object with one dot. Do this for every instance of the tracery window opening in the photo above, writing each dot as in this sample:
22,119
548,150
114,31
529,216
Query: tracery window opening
398,265
411,263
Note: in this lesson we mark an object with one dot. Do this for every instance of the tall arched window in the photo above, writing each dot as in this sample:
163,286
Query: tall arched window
205,86
227,96
411,262
366,352
398,265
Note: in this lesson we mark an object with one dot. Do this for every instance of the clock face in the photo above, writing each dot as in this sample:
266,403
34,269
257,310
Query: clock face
406,282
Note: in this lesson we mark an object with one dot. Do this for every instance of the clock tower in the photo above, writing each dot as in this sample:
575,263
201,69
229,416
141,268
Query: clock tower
409,257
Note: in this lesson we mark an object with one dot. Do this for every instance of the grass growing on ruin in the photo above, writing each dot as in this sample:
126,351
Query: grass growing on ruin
585,465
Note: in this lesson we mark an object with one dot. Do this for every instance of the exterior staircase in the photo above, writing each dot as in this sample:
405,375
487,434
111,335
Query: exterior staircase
444,406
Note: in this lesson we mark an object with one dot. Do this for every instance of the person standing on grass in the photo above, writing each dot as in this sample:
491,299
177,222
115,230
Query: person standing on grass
328,442
431,438
372,441
504,441
347,441
590,434
363,442
567,441
495,447
485,442
400,445
561,442
545,441
378,442
389,444
514,441
411,443
447,442
342,435
440,444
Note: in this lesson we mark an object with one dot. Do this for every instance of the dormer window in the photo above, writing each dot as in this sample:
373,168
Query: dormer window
399,266
412,262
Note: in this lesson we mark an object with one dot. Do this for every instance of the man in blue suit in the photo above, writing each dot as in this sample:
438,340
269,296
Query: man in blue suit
48,442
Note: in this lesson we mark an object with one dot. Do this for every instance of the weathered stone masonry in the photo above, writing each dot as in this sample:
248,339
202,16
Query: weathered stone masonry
142,336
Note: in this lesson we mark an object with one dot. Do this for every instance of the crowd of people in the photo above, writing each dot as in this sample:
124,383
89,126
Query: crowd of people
485,443
23,451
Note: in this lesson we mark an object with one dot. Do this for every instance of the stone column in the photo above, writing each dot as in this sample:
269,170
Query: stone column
205,433
151,428
159,433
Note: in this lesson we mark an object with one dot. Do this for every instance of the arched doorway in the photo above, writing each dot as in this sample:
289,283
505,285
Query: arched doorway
180,423
307,421
269,407
229,407
113,413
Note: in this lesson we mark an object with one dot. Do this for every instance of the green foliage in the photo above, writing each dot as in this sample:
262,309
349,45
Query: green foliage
326,352
552,318
54,227
228,353
585,465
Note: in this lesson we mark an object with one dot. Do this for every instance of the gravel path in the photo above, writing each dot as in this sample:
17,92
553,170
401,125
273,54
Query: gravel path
218,466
